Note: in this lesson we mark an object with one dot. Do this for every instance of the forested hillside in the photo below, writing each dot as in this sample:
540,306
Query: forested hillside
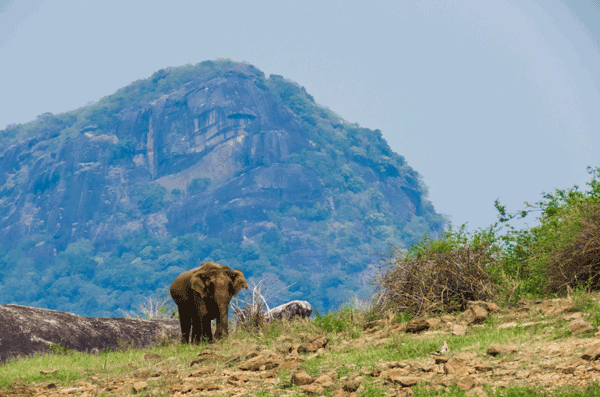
104,206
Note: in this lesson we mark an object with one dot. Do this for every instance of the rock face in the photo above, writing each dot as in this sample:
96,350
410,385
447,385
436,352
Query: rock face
26,330
223,156
225,126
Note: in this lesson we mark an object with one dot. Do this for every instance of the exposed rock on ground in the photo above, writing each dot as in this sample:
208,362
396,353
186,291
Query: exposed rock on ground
26,330
289,310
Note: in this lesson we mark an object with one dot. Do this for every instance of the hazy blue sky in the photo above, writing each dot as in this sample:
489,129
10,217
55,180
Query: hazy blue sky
484,99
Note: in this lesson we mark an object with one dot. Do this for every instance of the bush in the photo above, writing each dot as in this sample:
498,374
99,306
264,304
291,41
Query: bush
198,185
438,276
150,197
560,254
577,264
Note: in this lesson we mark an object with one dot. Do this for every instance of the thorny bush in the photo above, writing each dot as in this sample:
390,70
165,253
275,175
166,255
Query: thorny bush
438,279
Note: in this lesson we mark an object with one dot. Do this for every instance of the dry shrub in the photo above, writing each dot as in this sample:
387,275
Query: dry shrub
577,264
252,316
437,281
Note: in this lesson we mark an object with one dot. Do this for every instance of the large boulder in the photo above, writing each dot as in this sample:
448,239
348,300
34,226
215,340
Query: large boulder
27,330
289,310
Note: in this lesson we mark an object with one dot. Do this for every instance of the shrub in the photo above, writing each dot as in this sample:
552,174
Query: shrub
150,197
563,252
438,275
252,316
577,263
198,185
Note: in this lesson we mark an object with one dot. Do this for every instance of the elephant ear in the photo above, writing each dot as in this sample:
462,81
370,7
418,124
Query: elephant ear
239,281
198,283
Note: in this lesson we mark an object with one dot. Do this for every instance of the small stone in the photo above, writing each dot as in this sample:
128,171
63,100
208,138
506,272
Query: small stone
396,364
313,345
466,356
324,381
441,360
565,368
301,378
474,315
240,377
579,326
572,316
483,368
394,373
139,386
466,383
592,353
353,385
261,363
489,306
203,371
312,389
406,381
447,319
495,349
376,372
417,325
209,386
267,375
455,366
237,383
522,374
459,329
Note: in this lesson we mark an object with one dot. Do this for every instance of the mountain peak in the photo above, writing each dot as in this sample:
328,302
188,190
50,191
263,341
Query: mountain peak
217,154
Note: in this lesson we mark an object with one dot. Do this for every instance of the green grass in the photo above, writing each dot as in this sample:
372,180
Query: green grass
406,347
77,366
339,328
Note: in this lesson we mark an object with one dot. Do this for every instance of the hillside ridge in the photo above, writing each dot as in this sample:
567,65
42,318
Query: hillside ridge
202,162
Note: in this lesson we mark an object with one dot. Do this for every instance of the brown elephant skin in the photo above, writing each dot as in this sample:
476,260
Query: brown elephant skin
203,294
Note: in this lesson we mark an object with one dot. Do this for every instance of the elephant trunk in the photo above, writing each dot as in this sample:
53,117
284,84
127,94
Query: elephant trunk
222,297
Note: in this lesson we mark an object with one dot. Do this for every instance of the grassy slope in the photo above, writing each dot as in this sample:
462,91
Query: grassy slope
352,352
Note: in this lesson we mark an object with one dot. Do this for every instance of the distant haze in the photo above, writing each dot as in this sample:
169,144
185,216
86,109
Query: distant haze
485,100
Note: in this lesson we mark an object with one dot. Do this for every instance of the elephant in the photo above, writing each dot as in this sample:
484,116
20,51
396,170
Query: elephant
203,294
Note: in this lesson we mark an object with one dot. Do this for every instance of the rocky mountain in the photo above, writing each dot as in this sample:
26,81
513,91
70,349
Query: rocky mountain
101,206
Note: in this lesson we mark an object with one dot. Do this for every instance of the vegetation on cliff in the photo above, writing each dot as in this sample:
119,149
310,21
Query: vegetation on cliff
97,210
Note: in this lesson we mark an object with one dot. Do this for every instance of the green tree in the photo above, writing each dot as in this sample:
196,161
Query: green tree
198,185
150,197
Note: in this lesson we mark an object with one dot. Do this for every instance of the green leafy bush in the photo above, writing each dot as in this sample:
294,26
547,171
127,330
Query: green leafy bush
198,185
150,197
562,254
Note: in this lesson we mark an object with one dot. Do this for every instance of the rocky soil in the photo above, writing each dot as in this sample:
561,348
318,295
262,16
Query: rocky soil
551,346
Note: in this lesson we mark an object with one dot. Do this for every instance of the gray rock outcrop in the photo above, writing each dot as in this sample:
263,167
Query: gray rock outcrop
289,310
27,330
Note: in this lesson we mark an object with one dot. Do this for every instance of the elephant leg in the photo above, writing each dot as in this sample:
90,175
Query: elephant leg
196,328
185,320
222,324
206,334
